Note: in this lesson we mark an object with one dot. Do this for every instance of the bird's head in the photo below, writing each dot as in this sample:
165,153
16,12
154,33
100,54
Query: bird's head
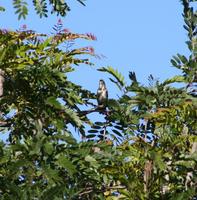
102,83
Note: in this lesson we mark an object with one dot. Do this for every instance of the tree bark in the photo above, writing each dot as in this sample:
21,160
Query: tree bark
1,81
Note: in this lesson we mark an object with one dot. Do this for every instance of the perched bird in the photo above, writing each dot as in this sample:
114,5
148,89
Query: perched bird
102,94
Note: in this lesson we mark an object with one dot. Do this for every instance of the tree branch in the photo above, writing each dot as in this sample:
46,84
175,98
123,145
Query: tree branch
5,124
85,112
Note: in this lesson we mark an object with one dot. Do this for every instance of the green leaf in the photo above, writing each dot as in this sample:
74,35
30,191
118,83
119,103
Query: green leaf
48,148
21,8
2,9
119,127
82,2
92,131
66,137
64,162
96,127
52,101
175,79
119,78
90,136
100,123
51,174
90,159
117,132
40,7
187,164
74,118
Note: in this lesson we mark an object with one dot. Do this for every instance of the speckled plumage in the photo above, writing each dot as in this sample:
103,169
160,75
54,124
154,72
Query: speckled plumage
102,94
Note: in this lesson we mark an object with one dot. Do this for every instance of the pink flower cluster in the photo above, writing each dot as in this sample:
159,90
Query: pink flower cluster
88,49
90,35
66,30
4,31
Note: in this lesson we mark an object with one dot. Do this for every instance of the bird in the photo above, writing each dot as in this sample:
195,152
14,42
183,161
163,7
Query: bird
102,95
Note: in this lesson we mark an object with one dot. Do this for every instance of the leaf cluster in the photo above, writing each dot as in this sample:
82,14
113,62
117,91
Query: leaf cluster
42,7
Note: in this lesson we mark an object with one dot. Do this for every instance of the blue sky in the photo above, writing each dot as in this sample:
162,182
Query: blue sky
138,36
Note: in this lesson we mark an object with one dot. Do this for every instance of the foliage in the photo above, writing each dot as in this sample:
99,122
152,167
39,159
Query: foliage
59,7
147,141
37,105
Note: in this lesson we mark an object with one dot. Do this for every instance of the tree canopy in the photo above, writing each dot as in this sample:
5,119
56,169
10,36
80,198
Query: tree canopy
145,148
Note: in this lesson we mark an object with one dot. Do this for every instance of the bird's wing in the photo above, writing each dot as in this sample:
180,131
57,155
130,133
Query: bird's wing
106,94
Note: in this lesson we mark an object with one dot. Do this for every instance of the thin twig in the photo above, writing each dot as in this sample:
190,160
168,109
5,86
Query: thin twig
90,189
87,191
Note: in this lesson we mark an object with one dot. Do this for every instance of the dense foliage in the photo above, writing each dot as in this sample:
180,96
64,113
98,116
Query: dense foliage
146,147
